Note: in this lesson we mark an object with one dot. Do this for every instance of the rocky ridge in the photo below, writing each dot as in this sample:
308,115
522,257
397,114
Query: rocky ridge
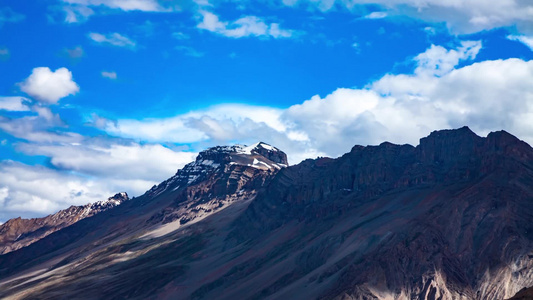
18,233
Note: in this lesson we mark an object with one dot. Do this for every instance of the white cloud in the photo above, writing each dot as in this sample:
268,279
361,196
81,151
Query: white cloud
77,13
114,39
39,128
113,159
35,190
276,32
85,169
243,27
376,15
461,17
49,87
110,75
526,40
438,61
125,5
14,104
179,130
401,108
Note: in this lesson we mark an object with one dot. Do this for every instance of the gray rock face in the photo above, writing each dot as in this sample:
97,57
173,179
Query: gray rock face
448,219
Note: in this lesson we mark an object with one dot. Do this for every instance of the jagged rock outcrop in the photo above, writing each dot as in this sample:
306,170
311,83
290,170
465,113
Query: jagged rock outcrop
217,177
18,233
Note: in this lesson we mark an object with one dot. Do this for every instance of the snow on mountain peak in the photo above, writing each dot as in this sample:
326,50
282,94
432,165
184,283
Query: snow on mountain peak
259,155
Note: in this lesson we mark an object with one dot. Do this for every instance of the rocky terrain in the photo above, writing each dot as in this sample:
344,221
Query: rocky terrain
448,219
18,233
524,294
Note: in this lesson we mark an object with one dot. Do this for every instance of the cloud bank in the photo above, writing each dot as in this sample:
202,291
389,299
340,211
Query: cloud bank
400,108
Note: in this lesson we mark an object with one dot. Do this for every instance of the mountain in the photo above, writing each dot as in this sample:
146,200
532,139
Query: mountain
448,219
18,233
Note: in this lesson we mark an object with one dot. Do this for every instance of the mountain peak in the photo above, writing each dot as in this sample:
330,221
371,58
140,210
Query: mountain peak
259,156
448,145
241,154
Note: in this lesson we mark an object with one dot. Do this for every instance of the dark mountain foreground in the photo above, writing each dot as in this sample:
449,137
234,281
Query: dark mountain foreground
451,218
524,294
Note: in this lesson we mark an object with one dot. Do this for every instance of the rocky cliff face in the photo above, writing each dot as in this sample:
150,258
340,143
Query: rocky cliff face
448,219
18,233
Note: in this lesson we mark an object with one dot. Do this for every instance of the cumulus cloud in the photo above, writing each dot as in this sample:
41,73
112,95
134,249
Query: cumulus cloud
49,87
38,128
401,108
37,190
111,158
110,75
82,169
243,27
32,190
114,39
182,128
438,60
14,104
526,40
82,172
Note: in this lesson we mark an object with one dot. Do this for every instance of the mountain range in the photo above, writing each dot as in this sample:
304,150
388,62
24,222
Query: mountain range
451,218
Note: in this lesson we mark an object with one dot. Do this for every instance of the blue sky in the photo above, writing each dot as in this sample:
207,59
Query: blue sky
102,96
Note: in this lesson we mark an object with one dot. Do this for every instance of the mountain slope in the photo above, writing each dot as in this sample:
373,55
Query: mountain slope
219,178
18,233
448,219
